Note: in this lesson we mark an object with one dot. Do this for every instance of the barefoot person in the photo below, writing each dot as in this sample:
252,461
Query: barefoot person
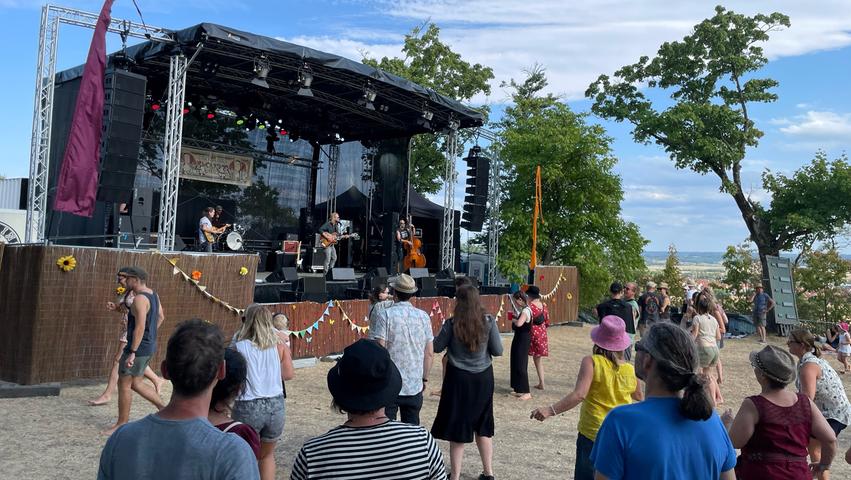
179,441
774,428
605,380
539,347
143,320
521,323
123,307
471,339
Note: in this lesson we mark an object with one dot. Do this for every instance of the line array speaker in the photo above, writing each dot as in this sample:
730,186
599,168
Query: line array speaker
475,202
123,114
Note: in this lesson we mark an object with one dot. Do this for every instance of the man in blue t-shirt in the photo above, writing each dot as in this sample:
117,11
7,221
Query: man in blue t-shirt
674,433
762,303
179,441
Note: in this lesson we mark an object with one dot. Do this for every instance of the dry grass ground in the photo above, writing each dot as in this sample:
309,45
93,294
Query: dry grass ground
58,438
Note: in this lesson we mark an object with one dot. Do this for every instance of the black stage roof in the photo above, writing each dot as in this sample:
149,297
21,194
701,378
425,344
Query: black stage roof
336,107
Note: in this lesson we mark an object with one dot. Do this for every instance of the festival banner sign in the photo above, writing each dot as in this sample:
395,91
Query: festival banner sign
216,167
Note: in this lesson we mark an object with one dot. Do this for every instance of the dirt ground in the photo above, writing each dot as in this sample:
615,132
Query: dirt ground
59,437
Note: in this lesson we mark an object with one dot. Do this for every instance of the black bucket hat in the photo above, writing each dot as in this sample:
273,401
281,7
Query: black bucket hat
365,379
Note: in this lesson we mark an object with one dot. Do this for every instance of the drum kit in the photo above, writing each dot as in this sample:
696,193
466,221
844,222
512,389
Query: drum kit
231,239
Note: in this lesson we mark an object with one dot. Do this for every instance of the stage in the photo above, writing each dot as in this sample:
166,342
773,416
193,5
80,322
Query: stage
54,326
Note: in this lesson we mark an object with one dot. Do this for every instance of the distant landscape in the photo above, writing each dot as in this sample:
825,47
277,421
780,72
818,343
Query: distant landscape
696,264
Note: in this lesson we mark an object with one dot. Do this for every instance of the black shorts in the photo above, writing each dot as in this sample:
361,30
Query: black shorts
836,425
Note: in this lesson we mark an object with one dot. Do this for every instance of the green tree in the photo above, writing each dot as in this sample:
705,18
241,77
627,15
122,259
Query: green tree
259,204
581,195
706,125
431,63
671,274
741,272
820,295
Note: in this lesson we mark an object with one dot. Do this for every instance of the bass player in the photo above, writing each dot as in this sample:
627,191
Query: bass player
207,232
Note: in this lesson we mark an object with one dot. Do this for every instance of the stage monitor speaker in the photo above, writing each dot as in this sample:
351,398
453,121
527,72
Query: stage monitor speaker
312,285
340,273
427,287
123,114
290,274
267,293
418,272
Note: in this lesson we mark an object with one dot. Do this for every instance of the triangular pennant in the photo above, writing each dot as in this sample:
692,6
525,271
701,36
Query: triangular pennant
353,326
316,324
175,271
202,288
330,303
327,312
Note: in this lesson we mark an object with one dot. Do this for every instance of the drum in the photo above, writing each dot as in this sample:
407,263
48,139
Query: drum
233,241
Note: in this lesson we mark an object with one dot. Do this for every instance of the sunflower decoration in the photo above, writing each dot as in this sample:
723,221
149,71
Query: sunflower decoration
196,275
119,290
67,263
569,296
243,271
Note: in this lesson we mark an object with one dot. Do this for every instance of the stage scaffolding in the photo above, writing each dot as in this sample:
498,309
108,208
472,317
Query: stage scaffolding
447,247
51,17
493,203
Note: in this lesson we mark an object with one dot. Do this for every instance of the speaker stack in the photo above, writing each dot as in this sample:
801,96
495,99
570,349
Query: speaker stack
342,284
123,114
476,200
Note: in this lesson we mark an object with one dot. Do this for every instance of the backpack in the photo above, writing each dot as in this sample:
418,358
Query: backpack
623,310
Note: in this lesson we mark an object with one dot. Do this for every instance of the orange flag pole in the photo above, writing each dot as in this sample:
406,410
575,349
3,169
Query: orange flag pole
535,214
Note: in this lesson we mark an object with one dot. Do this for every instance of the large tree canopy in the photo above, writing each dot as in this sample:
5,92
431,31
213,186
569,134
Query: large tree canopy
431,63
706,125
581,195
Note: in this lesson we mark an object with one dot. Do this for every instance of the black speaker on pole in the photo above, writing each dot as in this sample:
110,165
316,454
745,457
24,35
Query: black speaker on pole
475,202
123,114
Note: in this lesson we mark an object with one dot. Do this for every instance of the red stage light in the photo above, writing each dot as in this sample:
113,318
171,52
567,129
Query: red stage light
185,111
155,107
283,132
211,116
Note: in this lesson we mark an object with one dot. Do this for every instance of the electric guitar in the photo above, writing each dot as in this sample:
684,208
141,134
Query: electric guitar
213,237
327,242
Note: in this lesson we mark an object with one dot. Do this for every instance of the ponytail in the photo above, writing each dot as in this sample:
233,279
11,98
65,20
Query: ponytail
695,404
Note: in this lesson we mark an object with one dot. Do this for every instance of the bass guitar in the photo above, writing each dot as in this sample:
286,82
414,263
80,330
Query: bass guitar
413,256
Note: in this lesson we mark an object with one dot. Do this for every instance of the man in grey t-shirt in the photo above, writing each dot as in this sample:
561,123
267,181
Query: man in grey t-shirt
179,442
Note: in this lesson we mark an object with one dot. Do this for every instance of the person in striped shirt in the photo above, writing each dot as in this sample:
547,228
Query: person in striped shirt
368,445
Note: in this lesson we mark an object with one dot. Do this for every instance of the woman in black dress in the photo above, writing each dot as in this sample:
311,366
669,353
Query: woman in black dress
521,323
465,413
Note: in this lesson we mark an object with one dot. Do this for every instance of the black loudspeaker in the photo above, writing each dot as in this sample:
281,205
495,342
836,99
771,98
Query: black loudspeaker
123,113
475,202
340,289
143,202
340,273
391,165
427,287
278,260
290,274
389,223
267,293
446,273
138,224
312,285
418,272
381,272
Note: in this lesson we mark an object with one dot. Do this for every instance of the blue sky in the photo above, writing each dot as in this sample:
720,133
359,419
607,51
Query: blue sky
575,42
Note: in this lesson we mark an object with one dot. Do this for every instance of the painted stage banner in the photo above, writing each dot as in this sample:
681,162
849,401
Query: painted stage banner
216,167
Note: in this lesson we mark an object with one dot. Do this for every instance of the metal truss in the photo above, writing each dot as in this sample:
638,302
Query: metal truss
171,151
333,162
51,17
493,202
236,150
447,247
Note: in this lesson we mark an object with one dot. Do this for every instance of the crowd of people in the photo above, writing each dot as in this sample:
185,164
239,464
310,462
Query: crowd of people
647,394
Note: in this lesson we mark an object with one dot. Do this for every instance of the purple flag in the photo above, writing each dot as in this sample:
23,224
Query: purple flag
78,179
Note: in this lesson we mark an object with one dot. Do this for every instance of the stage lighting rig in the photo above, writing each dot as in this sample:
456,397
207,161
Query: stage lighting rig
305,79
262,67
368,98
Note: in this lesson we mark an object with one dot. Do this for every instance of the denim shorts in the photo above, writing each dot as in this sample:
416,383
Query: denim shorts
265,415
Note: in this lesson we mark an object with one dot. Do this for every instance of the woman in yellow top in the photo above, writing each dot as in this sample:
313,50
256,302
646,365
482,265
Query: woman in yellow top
605,380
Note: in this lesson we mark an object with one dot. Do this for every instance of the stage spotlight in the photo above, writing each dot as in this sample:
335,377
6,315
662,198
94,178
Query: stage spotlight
305,78
155,107
240,121
262,67
428,114
211,116
368,98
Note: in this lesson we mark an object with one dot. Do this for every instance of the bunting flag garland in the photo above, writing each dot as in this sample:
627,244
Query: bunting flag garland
501,307
201,288
307,333
361,329
552,292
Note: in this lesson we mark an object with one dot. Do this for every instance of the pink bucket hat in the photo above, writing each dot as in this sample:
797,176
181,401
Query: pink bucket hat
611,334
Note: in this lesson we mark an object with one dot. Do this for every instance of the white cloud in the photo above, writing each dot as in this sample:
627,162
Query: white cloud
819,124
345,47
577,41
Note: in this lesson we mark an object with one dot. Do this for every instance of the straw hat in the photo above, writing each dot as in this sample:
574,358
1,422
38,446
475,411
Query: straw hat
404,283
775,363
611,334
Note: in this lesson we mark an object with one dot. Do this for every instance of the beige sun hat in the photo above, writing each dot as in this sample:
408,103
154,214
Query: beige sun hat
404,283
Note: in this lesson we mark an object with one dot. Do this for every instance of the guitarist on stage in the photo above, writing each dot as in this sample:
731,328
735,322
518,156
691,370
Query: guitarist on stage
207,232
331,234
